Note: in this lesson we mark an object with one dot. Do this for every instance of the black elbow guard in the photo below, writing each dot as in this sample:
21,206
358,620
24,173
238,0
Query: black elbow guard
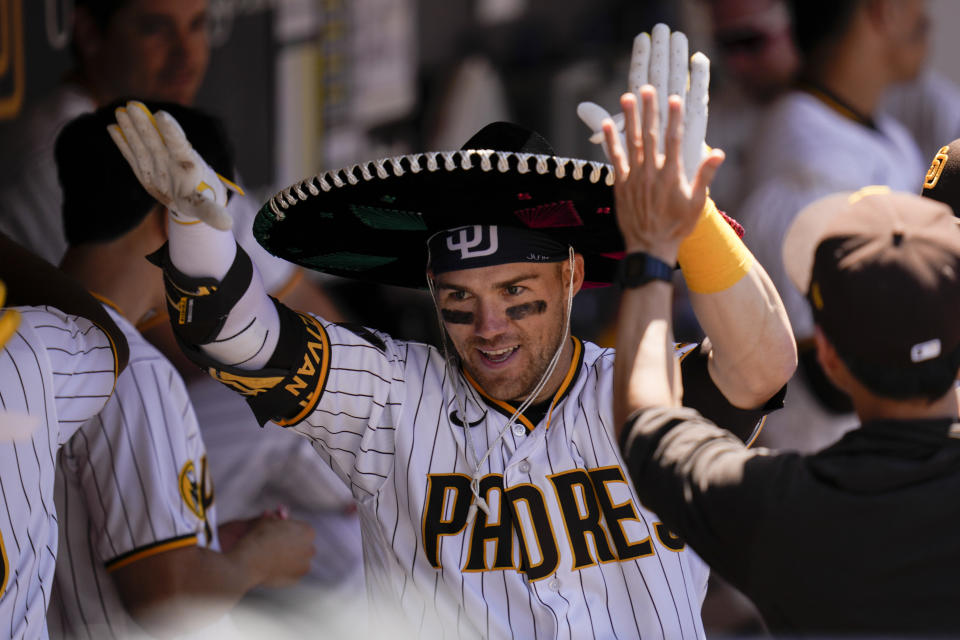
198,307
288,388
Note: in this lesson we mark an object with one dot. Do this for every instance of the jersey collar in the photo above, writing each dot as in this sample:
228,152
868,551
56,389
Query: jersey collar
833,101
508,409
107,301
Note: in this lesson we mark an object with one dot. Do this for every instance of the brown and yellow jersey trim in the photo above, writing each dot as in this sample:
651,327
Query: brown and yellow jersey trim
756,432
837,104
188,540
289,285
113,345
508,409
107,301
4,567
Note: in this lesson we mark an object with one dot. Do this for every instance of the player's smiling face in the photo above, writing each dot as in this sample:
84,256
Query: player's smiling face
506,321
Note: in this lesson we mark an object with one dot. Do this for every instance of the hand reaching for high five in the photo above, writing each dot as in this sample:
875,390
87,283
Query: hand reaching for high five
660,59
657,206
168,167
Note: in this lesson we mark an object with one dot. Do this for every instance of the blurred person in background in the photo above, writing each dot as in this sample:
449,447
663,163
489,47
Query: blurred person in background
149,49
159,50
757,61
754,62
140,548
60,356
153,49
829,134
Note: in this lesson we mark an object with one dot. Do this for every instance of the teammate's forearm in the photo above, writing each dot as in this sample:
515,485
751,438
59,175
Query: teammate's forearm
753,353
185,589
645,370
750,348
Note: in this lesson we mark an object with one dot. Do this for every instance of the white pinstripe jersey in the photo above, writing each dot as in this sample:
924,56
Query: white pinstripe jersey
62,369
567,551
131,483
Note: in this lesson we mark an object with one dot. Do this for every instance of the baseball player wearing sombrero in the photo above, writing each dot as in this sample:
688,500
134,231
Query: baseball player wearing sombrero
58,365
491,491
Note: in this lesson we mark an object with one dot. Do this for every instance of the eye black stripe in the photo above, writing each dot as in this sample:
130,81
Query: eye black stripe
521,311
457,317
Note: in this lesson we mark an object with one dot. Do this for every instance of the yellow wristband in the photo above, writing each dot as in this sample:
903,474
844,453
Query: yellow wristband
713,258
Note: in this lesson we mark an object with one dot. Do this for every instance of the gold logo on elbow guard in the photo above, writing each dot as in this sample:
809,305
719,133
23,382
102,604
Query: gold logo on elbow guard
936,168
246,385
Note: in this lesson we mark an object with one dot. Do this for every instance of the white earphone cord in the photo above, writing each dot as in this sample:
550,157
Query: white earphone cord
479,501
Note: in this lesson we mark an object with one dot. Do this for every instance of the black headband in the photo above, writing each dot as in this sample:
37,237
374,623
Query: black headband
477,245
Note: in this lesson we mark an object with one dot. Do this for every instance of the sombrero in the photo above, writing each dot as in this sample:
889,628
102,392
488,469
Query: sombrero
371,221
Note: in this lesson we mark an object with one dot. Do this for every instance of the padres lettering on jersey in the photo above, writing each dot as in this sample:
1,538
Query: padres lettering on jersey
566,549
592,522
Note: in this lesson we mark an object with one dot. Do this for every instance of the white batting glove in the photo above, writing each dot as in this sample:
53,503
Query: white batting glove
593,116
169,168
661,59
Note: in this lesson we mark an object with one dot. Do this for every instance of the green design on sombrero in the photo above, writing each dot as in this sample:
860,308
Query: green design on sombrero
371,221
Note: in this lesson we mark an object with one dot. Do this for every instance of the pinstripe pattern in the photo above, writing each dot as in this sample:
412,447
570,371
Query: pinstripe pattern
59,368
383,424
118,490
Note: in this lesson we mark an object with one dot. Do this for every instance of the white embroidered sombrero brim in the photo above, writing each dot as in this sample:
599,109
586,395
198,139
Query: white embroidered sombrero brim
371,221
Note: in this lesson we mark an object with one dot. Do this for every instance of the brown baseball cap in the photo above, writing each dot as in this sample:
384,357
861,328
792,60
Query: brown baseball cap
881,270
942,181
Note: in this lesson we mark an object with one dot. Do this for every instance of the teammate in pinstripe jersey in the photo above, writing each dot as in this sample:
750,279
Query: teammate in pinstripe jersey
56,370
491,491
138,525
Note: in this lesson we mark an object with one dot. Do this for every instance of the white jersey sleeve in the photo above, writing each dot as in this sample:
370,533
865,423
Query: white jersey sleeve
140,463
81,359
61,370
354,421
132,482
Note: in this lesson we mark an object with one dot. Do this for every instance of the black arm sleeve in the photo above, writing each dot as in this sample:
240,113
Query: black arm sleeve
288,387
708,488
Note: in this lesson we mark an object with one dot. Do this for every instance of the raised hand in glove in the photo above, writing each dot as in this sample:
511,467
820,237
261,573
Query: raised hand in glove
168,167
661,59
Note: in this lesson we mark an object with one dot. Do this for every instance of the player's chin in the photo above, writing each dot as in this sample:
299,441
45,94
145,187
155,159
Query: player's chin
499,384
